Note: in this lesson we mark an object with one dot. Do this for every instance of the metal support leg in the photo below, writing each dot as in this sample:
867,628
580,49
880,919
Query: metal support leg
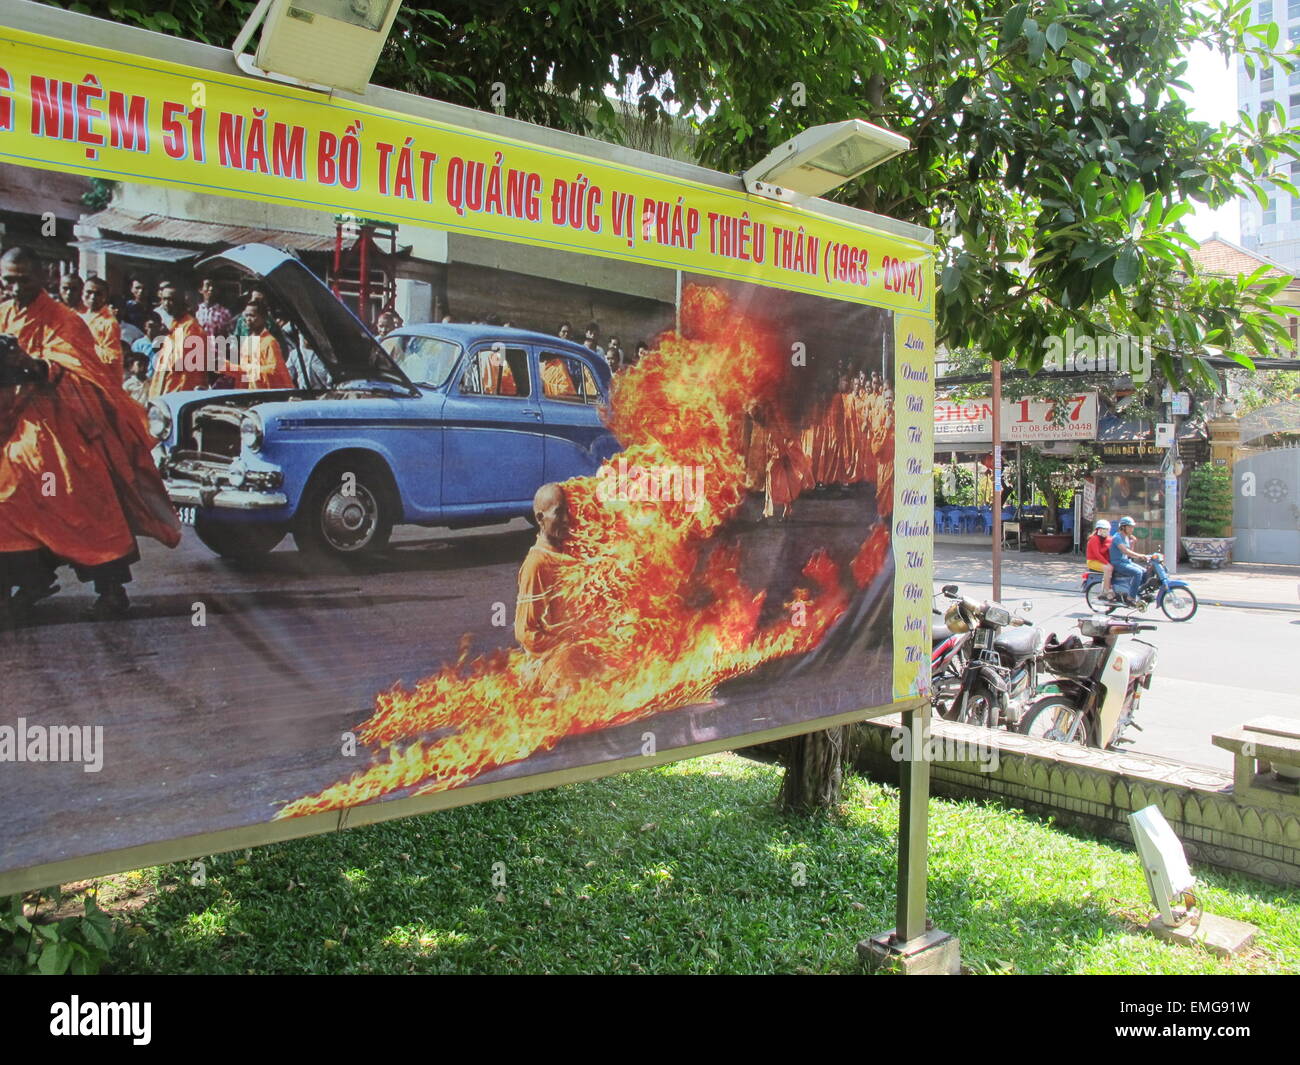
914,803
913,946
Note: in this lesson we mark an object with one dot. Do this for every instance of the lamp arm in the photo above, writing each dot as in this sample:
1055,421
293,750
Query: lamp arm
250,27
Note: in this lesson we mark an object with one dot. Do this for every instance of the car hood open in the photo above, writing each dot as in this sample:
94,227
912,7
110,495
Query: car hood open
347,348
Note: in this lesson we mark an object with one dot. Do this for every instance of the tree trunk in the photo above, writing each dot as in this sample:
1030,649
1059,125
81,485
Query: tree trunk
1051,517
814,771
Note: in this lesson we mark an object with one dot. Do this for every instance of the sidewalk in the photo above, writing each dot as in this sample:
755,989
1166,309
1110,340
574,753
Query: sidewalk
1242,584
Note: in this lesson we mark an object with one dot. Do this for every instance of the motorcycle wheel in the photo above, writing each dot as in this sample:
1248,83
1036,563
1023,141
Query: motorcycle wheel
1055,717
978,707
1096,603
1179,604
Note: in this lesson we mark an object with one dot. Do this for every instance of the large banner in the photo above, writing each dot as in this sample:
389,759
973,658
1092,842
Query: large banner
354,465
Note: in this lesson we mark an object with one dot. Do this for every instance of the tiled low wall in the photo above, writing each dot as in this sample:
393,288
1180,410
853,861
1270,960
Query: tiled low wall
1097,790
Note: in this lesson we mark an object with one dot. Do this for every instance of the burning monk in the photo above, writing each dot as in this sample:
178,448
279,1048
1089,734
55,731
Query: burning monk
541,625
77,480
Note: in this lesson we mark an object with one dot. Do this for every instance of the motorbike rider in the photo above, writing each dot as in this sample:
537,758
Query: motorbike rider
1122,557
1099,555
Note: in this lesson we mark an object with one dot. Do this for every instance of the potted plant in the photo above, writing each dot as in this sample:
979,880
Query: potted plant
1207,513
1053,476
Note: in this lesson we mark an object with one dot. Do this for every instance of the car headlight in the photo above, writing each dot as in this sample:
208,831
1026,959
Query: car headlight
250,431
160,421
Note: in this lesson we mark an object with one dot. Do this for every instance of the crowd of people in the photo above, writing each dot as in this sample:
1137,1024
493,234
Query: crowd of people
613,353
158,339
847,441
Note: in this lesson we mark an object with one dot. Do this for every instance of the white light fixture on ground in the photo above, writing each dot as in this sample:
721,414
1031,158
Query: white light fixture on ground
821,158
1170,883
320,44
1169,879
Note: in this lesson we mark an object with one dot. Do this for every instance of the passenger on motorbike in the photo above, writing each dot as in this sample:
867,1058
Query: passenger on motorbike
1099,555
1128,574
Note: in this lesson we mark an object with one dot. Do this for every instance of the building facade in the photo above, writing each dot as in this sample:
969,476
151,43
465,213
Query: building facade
1273,230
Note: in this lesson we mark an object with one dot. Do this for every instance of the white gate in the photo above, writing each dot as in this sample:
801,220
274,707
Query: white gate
1266,511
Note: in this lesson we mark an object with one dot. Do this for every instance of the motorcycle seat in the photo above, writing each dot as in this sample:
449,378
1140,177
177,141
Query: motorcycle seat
1019,641
1141,658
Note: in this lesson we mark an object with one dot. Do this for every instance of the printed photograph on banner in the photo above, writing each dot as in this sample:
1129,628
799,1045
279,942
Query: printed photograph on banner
302,511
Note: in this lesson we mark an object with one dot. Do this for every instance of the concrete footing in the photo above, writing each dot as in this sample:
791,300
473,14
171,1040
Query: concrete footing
935,953
1223,936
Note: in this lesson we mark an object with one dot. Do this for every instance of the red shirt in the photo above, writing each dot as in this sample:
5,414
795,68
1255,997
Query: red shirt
1099,549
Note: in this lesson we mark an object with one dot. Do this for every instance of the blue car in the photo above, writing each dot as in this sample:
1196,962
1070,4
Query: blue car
441,425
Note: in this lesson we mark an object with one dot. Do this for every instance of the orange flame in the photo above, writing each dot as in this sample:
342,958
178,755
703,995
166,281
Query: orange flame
661,616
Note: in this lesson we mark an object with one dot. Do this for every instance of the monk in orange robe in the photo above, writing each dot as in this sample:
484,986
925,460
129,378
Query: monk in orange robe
498,378
183,362
71,287
556,382
840,438
261,362
104,326
564,663
755,452
787,471
77,478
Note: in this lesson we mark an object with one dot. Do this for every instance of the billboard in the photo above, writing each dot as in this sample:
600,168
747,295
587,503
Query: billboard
1023,420
355,464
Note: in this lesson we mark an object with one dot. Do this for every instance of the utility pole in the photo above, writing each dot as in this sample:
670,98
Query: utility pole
1170,471
997,481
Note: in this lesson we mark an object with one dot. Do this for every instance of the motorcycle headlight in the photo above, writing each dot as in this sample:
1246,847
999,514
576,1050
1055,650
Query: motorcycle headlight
250,431
160,421
996,615
955,619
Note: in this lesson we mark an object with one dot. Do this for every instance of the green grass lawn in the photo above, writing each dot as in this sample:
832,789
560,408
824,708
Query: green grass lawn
685,868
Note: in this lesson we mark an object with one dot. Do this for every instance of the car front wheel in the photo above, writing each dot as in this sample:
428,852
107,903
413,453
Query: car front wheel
345,513
237,540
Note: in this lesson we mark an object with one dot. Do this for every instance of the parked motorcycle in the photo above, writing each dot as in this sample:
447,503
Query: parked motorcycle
1100,679
1000,675
1174,597
948,652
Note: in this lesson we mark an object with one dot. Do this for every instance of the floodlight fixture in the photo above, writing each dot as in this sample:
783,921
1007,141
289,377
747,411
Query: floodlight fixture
822,158
320,44
1169,880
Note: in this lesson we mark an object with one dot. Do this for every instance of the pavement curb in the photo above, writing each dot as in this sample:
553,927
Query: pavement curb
1280,608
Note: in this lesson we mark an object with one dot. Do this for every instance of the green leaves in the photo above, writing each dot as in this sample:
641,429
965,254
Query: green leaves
1012,23
79,945
1125,270
956,93
1054,133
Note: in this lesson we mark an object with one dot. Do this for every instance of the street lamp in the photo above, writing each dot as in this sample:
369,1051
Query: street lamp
320,44
821,158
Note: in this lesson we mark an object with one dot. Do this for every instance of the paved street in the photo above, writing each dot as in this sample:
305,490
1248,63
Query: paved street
217,724
1225,666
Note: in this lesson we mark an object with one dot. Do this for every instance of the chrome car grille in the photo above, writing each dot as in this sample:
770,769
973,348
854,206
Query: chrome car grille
211,436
